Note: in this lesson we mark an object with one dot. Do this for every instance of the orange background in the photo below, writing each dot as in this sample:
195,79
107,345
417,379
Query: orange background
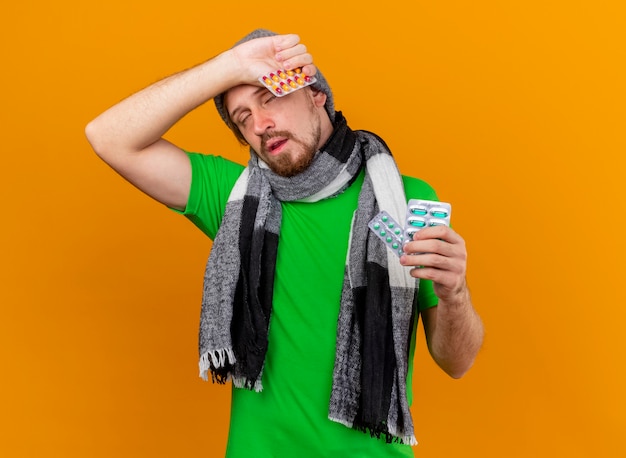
513,111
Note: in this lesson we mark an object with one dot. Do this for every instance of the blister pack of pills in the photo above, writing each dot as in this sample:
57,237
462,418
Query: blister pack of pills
283,82
419,215
425,213
388,230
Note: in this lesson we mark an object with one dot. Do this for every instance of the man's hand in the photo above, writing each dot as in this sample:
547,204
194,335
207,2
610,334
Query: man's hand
263,55
442,259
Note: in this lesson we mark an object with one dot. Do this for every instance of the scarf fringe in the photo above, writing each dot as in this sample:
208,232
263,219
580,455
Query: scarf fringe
408,439
215,359
390,435
243,382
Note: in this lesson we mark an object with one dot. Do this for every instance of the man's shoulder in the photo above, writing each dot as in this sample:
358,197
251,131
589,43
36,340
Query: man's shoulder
416,188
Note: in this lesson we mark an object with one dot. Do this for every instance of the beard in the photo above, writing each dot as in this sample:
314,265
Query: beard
296,160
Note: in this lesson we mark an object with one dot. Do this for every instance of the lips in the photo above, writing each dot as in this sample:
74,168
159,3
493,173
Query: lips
275,145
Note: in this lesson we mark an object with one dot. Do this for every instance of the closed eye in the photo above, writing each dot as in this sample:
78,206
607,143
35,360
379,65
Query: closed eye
243,117
269,98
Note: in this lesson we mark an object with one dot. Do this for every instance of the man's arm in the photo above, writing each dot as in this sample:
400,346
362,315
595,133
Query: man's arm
454,331
128,136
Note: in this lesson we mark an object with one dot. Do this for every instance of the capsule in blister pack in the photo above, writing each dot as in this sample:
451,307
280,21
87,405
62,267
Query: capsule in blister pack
425,213
388,230
283,82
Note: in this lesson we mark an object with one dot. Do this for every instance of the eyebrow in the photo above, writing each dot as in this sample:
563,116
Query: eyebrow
238,108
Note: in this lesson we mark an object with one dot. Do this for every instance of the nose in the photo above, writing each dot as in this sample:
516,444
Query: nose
262,121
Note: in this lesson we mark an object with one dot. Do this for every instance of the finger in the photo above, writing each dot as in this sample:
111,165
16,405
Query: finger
433,246
438,232
434,261
442,278
309,69
291,52
282,42
300,61
446,285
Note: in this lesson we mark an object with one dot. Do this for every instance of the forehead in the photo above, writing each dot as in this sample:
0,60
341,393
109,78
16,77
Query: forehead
244,96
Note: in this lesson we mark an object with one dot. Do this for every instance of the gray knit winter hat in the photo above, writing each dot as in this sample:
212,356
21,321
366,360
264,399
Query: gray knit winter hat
321,84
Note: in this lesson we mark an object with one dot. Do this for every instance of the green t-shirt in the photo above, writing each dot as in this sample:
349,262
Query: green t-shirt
289,418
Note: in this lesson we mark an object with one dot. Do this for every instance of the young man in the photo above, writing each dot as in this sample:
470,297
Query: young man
304,308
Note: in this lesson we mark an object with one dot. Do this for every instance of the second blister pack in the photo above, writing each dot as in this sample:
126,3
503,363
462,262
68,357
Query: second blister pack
388,230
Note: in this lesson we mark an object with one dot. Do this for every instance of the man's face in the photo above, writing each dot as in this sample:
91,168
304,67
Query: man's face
286,131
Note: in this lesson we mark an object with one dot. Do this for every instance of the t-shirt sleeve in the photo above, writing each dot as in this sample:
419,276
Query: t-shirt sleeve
212,179
419,189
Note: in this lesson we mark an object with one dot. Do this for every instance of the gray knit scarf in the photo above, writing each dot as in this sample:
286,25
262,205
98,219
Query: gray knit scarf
376,310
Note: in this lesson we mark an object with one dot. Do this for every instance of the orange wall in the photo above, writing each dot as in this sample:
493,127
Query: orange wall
514,111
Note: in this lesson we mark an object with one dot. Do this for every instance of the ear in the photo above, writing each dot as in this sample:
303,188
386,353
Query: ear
319,97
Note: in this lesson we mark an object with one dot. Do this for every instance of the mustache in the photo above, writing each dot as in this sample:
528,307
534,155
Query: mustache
267,136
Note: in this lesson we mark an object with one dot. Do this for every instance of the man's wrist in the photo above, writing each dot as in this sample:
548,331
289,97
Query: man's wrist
458,301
